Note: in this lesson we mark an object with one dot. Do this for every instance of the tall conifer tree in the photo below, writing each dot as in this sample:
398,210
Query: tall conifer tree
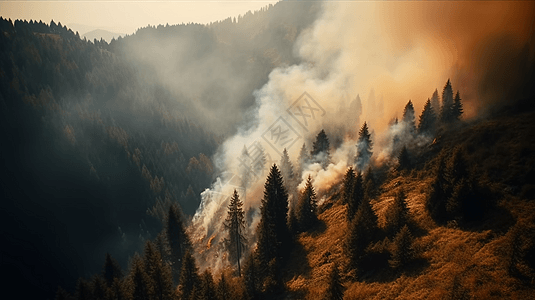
236,242
364,148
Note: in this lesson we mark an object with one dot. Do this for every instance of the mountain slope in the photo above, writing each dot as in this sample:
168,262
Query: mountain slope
454,261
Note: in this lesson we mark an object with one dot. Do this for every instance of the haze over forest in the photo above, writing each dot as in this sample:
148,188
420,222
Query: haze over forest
305,150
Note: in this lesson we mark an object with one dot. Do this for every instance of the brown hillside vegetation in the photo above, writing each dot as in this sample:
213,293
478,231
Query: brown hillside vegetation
472,260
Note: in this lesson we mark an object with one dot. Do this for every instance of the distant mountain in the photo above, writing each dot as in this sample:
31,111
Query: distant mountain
101,33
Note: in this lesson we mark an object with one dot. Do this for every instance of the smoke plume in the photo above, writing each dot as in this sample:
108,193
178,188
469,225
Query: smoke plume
390,51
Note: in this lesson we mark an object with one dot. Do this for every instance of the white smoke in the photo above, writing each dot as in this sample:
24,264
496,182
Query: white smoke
352,48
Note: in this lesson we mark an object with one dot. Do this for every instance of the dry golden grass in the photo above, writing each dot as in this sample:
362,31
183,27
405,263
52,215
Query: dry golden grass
322,249
452,262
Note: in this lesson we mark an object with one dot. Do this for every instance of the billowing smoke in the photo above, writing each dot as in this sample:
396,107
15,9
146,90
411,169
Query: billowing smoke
392,52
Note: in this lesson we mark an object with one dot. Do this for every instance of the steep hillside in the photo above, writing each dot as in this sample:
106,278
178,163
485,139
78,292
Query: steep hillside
452,260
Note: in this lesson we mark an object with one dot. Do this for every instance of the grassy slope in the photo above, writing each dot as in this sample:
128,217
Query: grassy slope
453,262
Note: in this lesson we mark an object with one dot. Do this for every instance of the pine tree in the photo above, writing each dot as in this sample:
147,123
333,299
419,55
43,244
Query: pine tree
370,184
462,204
306,208
357,195
362,230
139,282
177,240
364,148
435,102
404,161
189,277
236,242
207,288
457,109
347,185
159,272
111,270
397,214
288,176
446,115
302,161
320,150
273,233
427,120
402,249
439,192
408,117
118,290
287,170
251,278
335,289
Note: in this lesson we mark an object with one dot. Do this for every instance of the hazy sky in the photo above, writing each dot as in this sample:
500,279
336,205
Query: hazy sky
125,16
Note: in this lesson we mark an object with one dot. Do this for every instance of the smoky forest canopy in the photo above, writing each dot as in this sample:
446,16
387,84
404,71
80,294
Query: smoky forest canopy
112,167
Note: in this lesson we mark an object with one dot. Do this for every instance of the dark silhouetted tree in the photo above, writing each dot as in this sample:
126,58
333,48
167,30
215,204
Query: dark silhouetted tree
273,233
457,109
402,250
159,272
428,118
335,289
189,277
404,160
435,102
236,243
177,239
439,192
118,290
306,207
364,148
446,112
408,117
111,270
207,288
347,185
320,150
357,195
251,278
465,200
397,214
370,184
139,282
362,230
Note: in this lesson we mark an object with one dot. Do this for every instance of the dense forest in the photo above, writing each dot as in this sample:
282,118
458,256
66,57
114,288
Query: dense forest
109,150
